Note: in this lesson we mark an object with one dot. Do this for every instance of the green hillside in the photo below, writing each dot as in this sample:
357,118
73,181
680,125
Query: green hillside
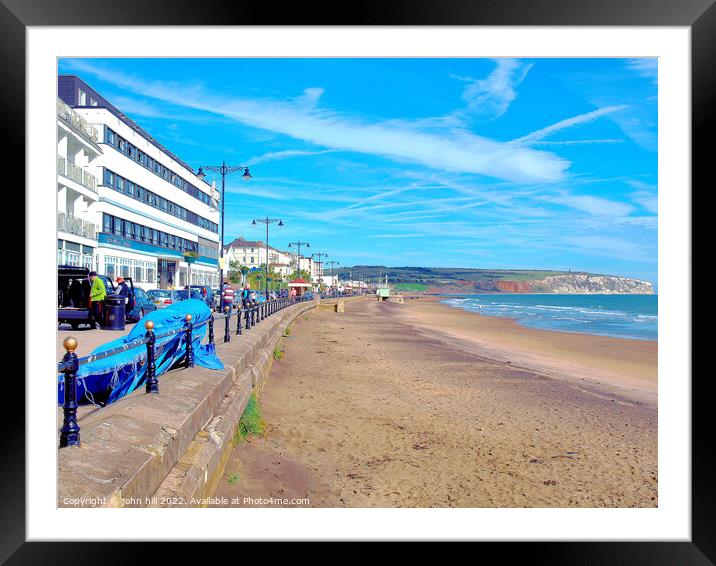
438,276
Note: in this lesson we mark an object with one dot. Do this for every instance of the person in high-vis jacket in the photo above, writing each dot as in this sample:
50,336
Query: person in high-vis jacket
98,293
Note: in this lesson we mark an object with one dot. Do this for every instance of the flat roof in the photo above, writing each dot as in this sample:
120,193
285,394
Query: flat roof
67,91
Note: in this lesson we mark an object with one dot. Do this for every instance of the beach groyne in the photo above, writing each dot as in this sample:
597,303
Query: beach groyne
148,450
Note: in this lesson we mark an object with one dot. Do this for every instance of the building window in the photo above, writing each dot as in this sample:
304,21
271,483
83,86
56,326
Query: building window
109,267
108,178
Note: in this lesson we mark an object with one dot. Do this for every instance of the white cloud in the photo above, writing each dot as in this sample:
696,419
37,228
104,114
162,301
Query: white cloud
310,97
494,94
575,142
274,155
614,247
645,195
450,150
595,206
568,123
648,67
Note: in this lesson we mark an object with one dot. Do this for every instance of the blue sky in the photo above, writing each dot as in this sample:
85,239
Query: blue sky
509,163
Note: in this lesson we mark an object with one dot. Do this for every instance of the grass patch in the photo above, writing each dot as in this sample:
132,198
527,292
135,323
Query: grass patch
233,478
277,353
287,332
251,422
410,287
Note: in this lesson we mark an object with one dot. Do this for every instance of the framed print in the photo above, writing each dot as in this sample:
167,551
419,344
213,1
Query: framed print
423,274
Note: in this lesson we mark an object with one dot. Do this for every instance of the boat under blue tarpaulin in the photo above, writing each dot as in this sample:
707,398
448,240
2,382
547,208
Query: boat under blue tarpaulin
105,380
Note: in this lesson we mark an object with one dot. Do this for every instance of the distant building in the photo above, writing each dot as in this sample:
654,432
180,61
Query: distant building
252,254
150,207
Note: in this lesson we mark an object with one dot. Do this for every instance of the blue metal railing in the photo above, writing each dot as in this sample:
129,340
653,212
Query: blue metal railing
70,363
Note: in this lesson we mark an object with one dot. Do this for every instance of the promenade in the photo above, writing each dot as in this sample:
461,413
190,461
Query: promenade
370,409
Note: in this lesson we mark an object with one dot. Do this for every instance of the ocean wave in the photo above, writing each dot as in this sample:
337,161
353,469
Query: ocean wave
588,318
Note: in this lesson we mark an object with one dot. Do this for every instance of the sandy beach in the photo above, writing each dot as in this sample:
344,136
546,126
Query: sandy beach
425,405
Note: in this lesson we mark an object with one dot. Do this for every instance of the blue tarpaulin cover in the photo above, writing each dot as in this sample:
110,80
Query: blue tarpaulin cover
106,380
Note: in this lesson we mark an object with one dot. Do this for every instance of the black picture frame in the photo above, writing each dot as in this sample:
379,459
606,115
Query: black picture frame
699,15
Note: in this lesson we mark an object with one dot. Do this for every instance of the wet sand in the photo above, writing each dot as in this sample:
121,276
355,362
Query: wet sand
371,408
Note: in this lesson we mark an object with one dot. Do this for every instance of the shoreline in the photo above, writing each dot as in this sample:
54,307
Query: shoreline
621,367
470,295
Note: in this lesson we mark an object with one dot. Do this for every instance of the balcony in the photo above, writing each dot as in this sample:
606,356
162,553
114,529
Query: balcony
76,174
77,122
77,226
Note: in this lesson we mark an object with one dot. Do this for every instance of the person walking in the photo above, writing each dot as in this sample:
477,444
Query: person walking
98,293
293,294
246,296
227,296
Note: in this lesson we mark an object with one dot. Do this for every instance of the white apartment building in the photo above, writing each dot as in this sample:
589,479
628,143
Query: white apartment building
150,206
77,150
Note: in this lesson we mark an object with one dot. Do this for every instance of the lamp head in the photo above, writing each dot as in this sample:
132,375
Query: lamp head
201,174
253,223
280,222
247,175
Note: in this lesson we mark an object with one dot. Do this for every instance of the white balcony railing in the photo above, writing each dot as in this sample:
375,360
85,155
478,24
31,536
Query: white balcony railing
72,225
77,122
77,174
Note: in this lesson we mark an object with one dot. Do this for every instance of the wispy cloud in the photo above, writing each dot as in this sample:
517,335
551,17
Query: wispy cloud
645,195
567,123
614,247
275,155
596,206
454,150
493,95
648,67
576,142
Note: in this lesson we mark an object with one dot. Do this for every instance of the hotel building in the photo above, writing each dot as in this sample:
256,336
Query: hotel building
150,207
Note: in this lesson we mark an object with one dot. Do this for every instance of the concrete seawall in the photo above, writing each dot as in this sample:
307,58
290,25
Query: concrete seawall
162,450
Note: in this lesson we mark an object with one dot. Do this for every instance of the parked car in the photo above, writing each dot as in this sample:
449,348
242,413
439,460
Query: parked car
164,297
73,290
160,297
141,305
207,294
183,295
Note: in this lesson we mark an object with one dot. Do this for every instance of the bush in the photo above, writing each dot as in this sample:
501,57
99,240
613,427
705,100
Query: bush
277,354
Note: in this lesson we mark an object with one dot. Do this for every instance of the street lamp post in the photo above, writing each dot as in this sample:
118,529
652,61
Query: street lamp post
223,170
319,255
298,256
267,221
333,281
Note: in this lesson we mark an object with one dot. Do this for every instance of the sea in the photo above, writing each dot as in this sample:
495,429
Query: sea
620,316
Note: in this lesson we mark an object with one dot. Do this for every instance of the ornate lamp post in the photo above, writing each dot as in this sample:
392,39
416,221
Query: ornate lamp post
298,256
319,255
267,221
223,170
333,280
